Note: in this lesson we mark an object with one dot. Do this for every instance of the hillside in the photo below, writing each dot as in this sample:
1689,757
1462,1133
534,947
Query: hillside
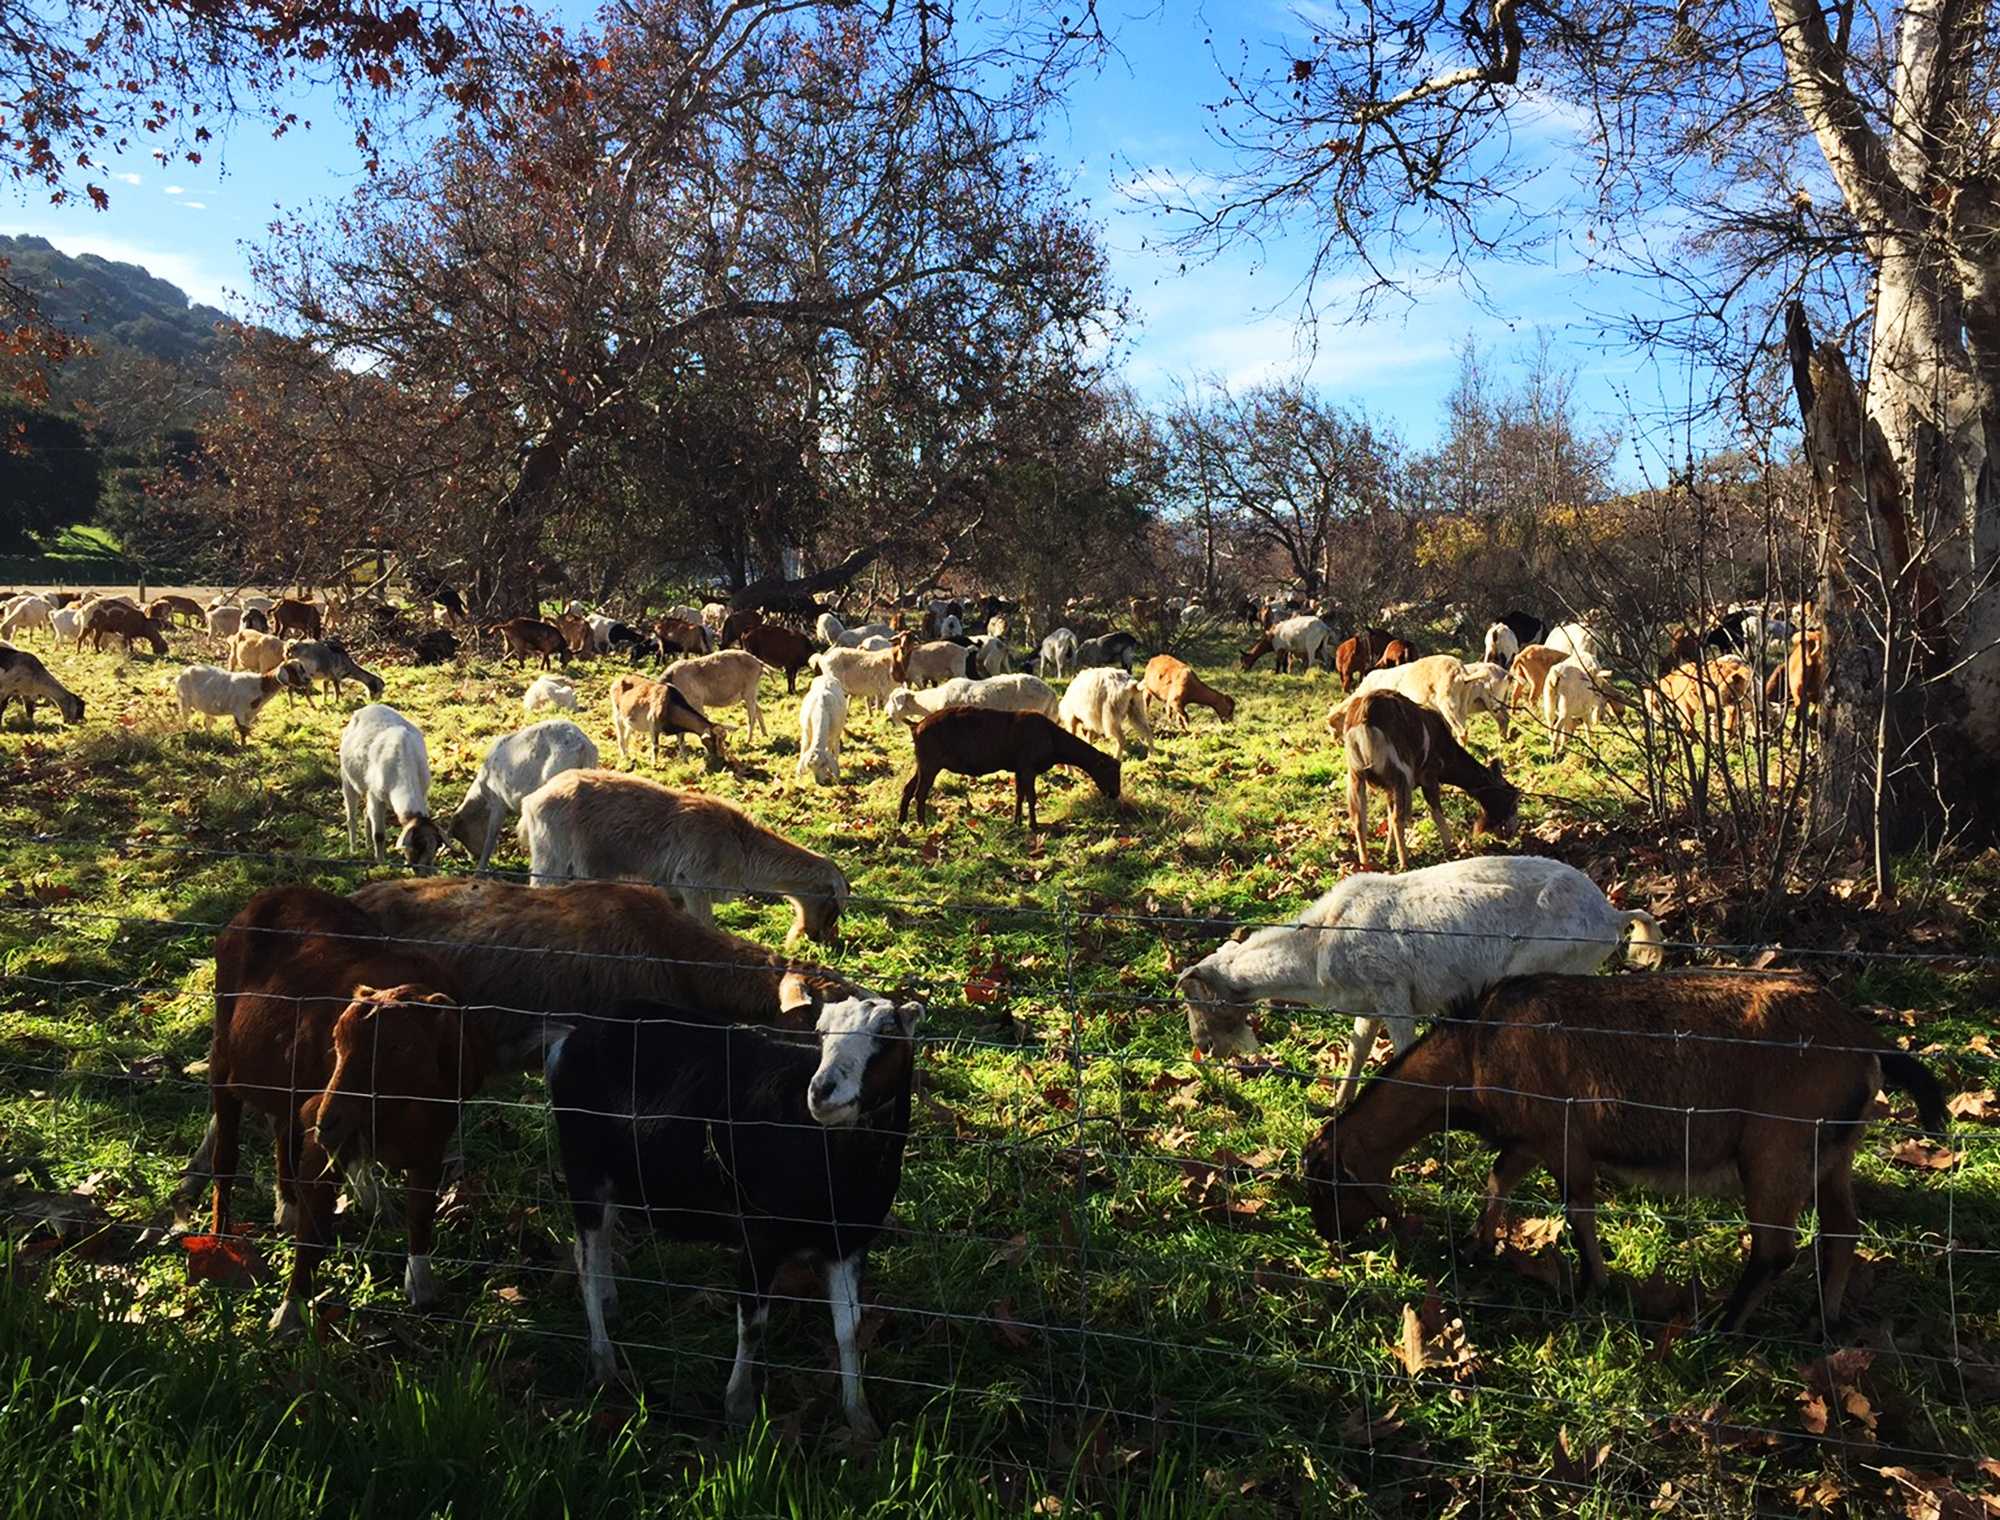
113,303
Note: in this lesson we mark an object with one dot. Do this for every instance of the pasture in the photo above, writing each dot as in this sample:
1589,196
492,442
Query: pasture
1101,1288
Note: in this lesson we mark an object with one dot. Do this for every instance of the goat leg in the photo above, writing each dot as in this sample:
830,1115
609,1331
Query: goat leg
843,1295
1433,794
739,1399
1833,1247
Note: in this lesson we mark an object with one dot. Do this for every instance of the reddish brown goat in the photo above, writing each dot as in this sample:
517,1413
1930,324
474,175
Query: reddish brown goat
353,1047
978,741
1396,652
779,647
164,609
735,625
525,636
1802,678
124,621
1357,656
679,636
295,619
1174,685
1398,746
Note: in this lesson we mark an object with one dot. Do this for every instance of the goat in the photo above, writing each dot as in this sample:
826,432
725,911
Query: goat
297,619
1767,1085
1579,641
66,624
1502,644
1407,947
29,612
1174,685
120,620
239,696
1304,639
516,765
1802,678
524,636
699,849
718,680
717,1132
1057,656
1010,693
26,679
829,630
385,773
651,708
259,653
1531,673
164,608
1393,744
1721,687
534,952
682,637
1117,649
1573,697
866,673
1396,652
576,632
1437,681
225,622
822,722
1356,656
977,741
328,660
1104,702
552,692
780,648
345,1071
928,664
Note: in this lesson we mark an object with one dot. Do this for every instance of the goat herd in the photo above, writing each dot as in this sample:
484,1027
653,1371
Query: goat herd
714,1089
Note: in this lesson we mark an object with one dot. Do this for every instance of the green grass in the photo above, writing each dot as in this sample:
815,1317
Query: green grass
1107,1295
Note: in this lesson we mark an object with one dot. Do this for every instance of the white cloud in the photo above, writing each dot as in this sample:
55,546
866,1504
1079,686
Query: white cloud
175,190
195,205
129,179
201,282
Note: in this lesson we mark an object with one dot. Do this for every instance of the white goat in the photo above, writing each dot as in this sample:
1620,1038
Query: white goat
385,771
710,681
1412,946
989,653
822,722
1574,696
599,825
1010,693
25,613
1437,681
831,630
517,764
238,695
1501,645
552,692
1105,702
224,622
1058,653
600,631
1579,642
713,616
66,623
865,673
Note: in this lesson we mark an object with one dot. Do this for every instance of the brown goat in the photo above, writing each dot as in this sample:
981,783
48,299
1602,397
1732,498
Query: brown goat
296,619
1722,686
978,741
121,620
1802,678
303,1036
164,609
1396,652
735,625
1356,656
1531,669
1396,745
575,632
524,636
1679,1080
1174,685
651,708
578,947
779,647
680,636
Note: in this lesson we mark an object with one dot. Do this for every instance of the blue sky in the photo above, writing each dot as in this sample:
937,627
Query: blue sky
1142,115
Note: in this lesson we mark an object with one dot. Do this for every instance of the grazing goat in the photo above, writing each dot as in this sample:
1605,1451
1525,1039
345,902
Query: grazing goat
1356,656
780,648
1573,697
29,612
328,660
978,741
1118,649
716,1132
538,951
1765,1086
651,708
516,765
822,722
347,1071
1057,656
1489,689
1437,681
164,609
1721,687
225,622
66,624
292,618
1105,703
385,773
239,696
552,692
25,679
1301,639
1408,947
682,637
123,621
830,631
575,629
1502,644
1579,641
712,681
989,656
1531,673
1525,626
1396,652
1012,693
524,636
1395,745
259,653
929,664
1174,685
699,849
866,673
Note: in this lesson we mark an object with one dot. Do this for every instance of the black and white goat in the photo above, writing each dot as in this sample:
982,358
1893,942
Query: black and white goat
735,1135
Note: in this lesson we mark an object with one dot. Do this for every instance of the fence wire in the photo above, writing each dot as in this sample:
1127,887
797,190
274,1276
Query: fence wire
1077,1245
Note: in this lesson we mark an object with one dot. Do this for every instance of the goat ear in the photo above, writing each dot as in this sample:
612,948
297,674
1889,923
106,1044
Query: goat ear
908,1015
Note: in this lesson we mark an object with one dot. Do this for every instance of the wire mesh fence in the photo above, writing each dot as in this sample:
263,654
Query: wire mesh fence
1099,1247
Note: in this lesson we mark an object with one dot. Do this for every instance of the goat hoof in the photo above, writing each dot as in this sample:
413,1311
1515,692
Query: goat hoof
289,1320
862,1427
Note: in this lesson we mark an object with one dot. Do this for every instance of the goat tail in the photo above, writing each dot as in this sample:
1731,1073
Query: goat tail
1647,948
1906,1074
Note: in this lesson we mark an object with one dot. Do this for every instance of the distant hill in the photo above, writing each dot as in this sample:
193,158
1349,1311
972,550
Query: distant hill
112,303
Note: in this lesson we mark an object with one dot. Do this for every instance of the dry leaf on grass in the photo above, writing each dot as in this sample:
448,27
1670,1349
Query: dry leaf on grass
1980,1107
227,1259
1010,1332
1934,1496
1833,1397
1528,1247
1924,1156
1576,1465
1430,1341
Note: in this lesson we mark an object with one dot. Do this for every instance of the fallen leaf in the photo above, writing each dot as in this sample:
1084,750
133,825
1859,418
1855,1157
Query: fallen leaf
1428,1341
1011,1253
1575,1466
1924,1156
1980,1107
226,1259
